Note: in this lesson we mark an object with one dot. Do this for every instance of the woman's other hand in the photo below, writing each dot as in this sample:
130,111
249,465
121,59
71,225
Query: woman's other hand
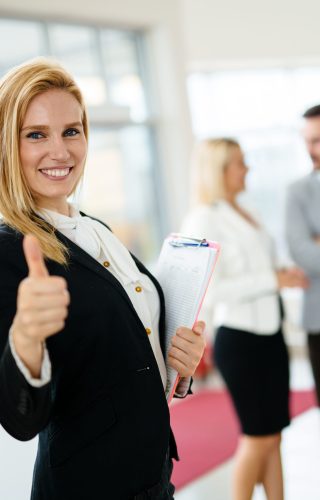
187,349
42,307
292,277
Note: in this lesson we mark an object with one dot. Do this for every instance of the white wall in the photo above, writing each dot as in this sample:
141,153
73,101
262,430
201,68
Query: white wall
232,30
135,13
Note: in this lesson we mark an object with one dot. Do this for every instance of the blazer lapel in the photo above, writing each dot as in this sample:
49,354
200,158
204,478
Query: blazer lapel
240,224
79,255
144,270
83,258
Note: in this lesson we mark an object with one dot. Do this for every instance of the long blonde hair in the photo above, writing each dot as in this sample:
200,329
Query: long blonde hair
210,158
17,206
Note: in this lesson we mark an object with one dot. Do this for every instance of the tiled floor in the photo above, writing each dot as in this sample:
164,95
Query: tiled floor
300,452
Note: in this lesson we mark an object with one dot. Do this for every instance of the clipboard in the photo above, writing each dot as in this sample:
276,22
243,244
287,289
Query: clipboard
184,270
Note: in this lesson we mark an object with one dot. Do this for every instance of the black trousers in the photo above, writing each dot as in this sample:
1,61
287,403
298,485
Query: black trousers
314,354
164,490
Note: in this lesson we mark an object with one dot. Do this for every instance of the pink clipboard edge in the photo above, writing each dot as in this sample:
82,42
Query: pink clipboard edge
217,247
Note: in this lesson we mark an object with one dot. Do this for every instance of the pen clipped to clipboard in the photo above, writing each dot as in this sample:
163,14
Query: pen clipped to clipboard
184,269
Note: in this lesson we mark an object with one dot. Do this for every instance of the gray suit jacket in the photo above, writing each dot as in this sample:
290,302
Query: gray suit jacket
302,225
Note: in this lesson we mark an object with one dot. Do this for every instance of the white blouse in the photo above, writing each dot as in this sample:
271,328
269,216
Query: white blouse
103,246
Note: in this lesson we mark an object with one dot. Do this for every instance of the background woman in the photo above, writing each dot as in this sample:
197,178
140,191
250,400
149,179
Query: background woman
249,347
81,320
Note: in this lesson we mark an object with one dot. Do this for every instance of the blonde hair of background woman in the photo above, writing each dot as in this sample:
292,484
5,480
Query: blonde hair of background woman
17,206
210,158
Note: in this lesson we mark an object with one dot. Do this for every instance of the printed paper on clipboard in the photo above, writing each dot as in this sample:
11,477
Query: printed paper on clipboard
184,269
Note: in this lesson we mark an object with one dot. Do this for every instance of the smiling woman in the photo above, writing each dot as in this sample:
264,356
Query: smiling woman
81,352
53,148
22,89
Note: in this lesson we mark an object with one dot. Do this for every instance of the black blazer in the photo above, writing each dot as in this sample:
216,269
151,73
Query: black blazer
103,420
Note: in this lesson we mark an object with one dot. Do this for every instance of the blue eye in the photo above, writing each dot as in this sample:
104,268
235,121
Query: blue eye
71,132
35,135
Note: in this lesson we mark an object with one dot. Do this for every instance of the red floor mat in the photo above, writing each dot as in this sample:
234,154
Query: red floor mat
207,430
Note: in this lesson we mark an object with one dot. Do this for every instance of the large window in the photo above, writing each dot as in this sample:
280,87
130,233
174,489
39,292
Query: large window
109,66
262,108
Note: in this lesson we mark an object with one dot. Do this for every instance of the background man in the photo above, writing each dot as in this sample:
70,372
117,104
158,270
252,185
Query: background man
303,236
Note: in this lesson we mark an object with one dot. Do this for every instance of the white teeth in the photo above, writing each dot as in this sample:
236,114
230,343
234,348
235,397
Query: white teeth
56,172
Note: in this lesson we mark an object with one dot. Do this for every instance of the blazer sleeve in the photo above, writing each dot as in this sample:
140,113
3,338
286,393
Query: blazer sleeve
304,251
24,410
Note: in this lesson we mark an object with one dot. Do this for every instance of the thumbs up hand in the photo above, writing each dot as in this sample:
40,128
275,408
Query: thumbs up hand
42,307
34,258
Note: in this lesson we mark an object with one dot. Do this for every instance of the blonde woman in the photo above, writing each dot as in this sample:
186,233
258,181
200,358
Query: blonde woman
81,320
249,348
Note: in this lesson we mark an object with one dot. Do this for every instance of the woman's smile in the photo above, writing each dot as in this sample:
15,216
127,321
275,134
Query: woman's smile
56,173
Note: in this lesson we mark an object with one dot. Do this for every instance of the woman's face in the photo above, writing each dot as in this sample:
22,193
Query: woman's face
235,173
53,148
